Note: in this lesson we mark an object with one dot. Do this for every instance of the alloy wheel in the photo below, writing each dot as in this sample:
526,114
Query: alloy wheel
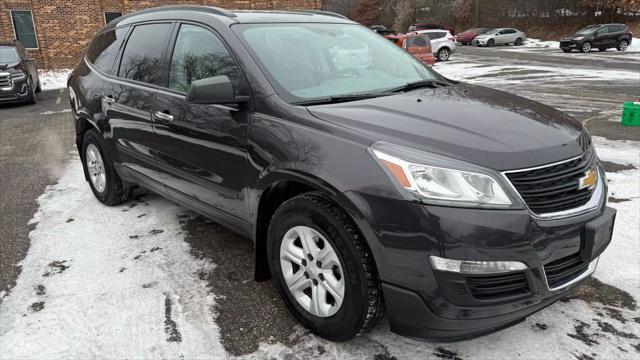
623,45
95,168
586,47
312,271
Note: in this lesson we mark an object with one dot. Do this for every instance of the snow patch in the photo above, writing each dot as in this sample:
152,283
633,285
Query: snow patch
53,79
537,43
101,282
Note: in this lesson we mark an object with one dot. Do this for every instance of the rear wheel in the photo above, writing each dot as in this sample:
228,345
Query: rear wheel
518,42
38,87
622,45
491,42
586,47
98,167
323,268
443,54
566,50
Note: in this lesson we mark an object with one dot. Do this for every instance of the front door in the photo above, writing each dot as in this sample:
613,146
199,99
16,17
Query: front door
601,38
202,147
128,100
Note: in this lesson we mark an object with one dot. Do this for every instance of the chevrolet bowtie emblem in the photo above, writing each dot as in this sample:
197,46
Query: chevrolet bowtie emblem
589,180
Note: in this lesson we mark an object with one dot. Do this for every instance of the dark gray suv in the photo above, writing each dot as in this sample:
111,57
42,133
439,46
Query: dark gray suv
367,181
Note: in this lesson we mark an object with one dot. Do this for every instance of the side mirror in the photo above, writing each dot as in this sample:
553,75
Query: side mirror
213,90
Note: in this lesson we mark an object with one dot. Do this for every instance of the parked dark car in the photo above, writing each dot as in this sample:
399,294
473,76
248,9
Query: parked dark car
430,26
382,30
467,36
367,181
19,80
601,37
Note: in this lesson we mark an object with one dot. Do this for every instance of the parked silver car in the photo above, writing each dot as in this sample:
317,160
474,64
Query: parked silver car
443,44
501,36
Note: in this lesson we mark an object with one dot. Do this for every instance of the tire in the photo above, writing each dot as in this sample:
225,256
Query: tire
443,54
586,47
491,42
32,93
566,50
38,87
518,42
362,304
622,45
113,191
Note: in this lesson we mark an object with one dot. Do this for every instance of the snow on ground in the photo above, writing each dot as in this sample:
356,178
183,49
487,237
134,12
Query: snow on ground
537,43
635,45
53,79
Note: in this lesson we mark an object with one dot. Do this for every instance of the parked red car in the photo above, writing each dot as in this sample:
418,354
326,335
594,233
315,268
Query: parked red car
467,36
418,45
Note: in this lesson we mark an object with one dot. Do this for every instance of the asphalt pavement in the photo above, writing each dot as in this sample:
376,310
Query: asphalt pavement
35,141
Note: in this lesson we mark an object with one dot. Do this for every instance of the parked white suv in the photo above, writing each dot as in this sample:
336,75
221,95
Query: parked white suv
443,44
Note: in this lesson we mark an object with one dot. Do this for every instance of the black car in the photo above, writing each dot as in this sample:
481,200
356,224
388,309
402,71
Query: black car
382,30
367,181
601,37
18,74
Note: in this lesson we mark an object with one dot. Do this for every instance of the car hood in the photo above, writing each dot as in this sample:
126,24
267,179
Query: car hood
483,126
4,67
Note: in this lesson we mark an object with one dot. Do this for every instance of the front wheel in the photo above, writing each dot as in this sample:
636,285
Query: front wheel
323,268
491,42
622,45
443,54
99,171
566,50
586,47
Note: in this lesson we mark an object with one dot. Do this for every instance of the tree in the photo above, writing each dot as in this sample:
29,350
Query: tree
366,12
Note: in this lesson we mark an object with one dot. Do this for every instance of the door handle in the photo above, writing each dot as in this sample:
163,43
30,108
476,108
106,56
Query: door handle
109,99
163,117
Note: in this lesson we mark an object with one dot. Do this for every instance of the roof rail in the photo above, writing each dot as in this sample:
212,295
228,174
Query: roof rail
322,12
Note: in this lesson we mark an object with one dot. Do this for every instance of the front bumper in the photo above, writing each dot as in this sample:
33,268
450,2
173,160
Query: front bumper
570,44
425,303
479,42
14,91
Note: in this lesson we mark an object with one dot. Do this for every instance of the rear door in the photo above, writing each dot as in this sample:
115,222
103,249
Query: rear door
128,98
202,148
438,38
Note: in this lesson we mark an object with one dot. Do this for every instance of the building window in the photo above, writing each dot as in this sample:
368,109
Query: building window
24,29
109,16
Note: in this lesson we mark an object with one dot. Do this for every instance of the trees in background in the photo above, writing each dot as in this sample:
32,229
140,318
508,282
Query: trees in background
399,14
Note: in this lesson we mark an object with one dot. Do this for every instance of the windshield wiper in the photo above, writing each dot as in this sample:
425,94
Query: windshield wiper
339,98
417,85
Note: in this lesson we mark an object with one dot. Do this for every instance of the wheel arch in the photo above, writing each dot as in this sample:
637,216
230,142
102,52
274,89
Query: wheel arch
277,188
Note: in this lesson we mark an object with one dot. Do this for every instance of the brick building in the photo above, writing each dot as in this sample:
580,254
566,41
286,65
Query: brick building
57,32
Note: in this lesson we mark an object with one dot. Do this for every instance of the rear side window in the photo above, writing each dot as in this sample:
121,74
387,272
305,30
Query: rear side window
199,54
104,49
142,59
437,35
617,28
418,41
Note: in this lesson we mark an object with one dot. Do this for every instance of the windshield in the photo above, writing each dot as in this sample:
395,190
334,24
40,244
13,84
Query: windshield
316,61
492,31
8,55
588,30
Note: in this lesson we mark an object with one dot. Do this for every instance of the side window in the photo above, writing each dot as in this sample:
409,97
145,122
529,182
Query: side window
417,41
436,35
142,57
24,28
603,30
104,49
199,54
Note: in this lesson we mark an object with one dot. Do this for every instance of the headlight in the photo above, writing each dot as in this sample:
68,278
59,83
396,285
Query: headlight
578,38
441,181
18,76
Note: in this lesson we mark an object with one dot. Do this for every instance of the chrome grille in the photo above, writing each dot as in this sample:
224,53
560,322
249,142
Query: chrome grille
5,80
556,187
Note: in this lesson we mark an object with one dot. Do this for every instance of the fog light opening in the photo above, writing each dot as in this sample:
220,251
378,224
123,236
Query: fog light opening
475,267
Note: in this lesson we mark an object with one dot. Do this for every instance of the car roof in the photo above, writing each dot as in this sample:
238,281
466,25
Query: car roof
232,16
